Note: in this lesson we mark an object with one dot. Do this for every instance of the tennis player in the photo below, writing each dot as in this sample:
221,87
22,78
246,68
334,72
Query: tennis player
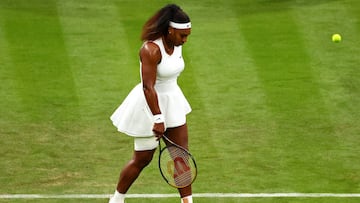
157,105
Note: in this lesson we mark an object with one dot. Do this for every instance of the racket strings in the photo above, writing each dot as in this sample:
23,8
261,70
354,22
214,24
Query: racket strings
178,166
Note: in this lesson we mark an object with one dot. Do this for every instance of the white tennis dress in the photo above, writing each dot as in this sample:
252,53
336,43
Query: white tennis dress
134,117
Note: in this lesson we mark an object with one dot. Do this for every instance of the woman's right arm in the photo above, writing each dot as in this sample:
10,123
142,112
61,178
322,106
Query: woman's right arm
150,57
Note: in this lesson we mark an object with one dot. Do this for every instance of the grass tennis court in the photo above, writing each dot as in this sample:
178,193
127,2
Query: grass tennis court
275,101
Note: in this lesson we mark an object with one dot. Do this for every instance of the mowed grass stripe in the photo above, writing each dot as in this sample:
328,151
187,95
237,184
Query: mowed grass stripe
292,96
337,69
9,106
201,70
354,11
104,73
98,56
8,86
194,82
33,143
44,80
226,90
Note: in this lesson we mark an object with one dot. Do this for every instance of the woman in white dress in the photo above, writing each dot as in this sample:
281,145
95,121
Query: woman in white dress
157,105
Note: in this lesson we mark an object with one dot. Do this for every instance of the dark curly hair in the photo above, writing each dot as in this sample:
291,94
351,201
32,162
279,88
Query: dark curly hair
158,24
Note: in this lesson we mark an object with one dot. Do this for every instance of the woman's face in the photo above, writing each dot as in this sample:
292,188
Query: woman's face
179,36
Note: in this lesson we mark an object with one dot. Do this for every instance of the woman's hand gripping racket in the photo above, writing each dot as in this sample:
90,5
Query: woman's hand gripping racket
177,166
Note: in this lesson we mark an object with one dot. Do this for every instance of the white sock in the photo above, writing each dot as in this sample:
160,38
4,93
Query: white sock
117,198
187,199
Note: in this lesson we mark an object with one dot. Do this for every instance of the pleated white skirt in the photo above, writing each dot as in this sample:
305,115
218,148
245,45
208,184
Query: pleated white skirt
134,118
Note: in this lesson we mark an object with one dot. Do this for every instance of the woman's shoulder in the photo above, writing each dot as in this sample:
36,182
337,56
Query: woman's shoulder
150,49
149,46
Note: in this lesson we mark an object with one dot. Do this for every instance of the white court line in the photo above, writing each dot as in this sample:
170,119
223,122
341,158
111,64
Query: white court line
205,195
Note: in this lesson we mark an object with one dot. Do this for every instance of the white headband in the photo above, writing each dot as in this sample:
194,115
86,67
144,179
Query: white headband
180,25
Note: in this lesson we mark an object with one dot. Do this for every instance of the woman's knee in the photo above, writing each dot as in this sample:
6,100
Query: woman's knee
143,158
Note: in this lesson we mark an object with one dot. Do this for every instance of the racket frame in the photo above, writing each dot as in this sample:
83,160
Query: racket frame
182,148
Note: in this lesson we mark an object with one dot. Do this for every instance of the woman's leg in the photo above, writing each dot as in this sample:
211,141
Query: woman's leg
133,168
130,172
143,154
179,135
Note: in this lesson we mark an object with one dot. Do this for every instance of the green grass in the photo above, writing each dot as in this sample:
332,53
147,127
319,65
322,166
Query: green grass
275,102
203,200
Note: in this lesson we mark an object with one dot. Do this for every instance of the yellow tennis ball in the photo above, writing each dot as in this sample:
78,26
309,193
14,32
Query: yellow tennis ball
336,38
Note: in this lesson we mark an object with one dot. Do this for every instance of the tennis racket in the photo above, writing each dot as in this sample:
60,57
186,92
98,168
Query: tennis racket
177,166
